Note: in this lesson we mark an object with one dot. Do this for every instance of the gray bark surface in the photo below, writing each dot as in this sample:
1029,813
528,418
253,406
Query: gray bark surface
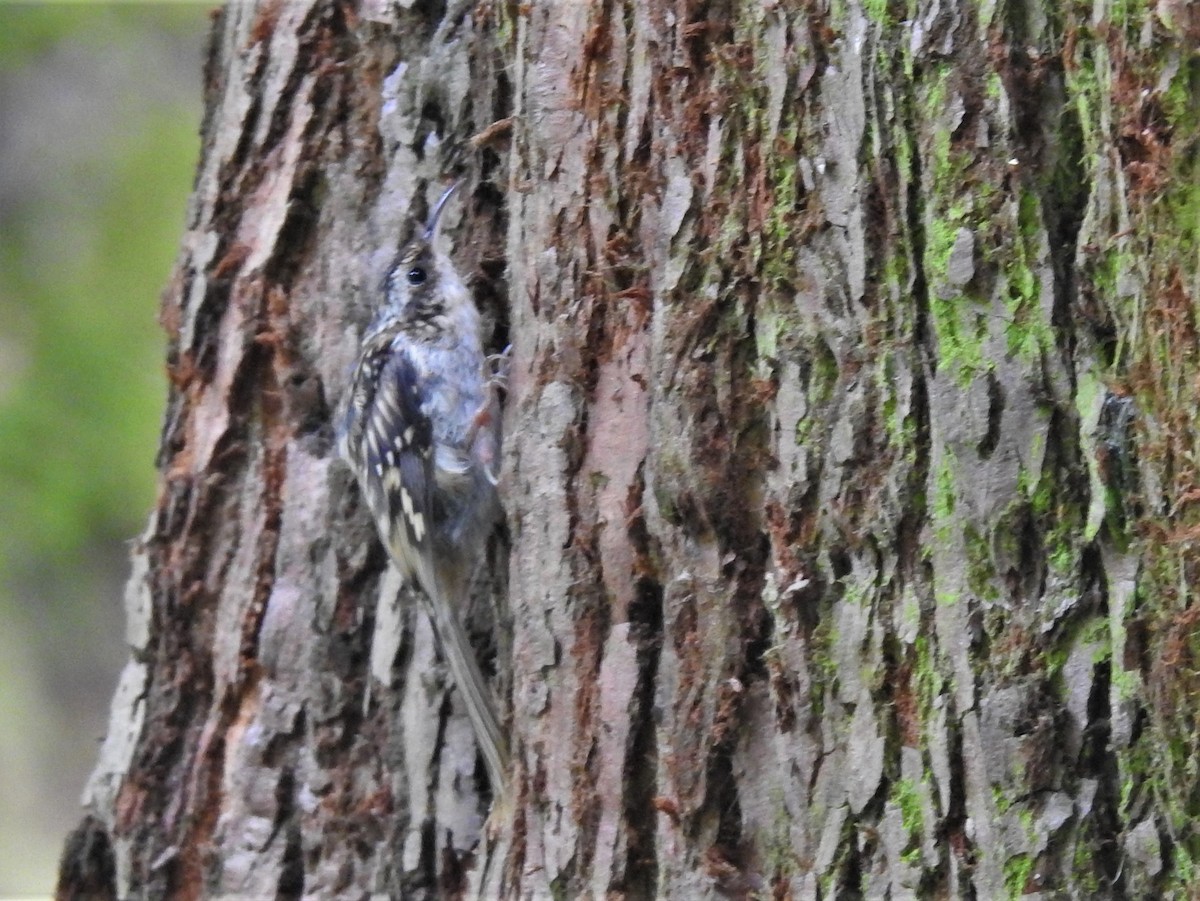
849,472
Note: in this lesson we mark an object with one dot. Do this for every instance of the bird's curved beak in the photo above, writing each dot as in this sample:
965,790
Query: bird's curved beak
436,213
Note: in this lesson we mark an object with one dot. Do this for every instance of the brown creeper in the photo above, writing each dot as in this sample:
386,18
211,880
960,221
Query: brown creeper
421,432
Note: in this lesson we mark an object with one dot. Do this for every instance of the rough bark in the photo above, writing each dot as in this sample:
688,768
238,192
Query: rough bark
850,479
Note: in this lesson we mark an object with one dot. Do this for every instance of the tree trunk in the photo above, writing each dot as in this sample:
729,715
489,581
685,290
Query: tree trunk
850,476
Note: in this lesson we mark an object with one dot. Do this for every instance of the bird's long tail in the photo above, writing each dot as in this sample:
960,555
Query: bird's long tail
472,686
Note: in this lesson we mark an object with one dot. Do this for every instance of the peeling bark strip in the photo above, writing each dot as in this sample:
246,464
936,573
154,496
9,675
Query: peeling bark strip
850,477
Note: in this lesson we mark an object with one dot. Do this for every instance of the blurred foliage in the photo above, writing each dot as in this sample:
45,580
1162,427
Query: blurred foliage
33,28
83,257
86,398
99,115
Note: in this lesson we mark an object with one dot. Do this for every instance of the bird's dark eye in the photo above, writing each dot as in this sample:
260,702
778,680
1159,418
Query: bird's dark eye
416,276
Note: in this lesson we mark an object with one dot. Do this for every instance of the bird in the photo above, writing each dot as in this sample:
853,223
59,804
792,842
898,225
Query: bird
421,433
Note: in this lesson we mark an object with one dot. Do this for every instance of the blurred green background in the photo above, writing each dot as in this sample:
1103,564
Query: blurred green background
99,117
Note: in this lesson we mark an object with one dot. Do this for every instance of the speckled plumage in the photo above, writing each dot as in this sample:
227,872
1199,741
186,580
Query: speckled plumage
420,430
